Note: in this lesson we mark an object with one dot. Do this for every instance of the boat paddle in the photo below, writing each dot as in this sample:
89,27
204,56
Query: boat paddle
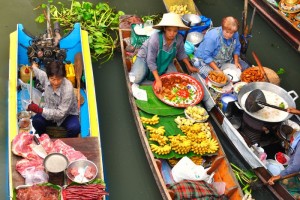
78,64
259,184
260,66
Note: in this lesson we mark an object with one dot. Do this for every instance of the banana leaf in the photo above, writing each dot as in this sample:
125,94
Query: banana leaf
171,129
155,106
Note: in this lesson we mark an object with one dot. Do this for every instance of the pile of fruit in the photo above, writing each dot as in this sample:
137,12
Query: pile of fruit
179,9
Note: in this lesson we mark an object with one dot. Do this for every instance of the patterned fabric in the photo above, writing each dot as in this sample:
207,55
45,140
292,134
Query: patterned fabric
293,186
195,190
60,103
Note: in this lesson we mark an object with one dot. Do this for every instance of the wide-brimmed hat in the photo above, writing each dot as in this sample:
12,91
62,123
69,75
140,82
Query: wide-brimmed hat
171,19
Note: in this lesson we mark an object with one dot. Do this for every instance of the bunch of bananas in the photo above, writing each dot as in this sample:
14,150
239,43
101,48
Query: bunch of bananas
160,130
200,148
213,145
180,144
208,145
179,9
196,137
198,160
151,121
181,121
160,139
161,150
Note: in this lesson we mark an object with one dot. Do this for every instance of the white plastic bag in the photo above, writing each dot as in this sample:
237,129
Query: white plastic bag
25,96
186,169
35,176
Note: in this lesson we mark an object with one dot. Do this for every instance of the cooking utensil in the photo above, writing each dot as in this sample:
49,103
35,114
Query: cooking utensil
55,162
76,171
192,18
260,66
195,37
38,148
257,98
288,97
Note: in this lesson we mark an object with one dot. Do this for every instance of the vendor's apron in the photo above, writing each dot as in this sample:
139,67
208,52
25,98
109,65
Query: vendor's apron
164,58
224,55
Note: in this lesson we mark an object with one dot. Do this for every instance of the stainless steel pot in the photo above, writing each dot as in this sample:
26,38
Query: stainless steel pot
287,96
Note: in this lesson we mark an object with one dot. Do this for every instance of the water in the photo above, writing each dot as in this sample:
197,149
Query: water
127,171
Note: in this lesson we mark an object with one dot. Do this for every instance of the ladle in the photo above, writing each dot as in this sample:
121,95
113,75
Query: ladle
257,98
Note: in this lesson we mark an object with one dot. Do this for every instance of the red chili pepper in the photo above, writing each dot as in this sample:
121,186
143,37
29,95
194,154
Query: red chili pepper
183,93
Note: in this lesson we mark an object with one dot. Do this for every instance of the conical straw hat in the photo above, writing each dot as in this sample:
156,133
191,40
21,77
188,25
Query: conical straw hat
171,19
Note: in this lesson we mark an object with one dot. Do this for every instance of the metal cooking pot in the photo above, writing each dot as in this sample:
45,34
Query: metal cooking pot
287,96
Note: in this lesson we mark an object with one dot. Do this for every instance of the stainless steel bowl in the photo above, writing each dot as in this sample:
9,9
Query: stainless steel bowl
77,169
194,19
195,37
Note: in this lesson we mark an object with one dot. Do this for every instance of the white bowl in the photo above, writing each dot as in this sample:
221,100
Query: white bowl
205,115
82,171
286,157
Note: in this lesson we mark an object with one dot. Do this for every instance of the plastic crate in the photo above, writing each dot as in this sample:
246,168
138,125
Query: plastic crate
136,39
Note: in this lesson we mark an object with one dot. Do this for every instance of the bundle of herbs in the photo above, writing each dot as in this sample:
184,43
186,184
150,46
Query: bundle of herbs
100,21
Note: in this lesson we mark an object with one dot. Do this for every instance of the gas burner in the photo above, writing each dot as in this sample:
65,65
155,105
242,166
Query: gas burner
257,131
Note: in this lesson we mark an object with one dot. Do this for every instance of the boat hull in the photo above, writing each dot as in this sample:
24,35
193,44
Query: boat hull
75,42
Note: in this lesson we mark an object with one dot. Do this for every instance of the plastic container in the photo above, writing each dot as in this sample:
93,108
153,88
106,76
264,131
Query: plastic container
25,73
70,73
225,99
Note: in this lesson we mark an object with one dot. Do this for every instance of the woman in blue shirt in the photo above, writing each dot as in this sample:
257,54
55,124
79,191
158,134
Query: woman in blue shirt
220,45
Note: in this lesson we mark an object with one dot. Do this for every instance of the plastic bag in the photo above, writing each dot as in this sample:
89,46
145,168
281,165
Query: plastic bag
25,96
33,176
186,169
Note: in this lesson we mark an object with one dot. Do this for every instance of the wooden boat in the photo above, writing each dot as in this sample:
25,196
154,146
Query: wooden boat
242,146
220,165
284,25
75,42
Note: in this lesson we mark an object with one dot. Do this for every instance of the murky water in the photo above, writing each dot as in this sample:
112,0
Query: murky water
127,171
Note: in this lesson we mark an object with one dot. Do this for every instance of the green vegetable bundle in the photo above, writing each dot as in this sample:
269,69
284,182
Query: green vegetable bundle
100,21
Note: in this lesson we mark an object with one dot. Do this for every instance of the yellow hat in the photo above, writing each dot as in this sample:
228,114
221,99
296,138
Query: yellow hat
171,19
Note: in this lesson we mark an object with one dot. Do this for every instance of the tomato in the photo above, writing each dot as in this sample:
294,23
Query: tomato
183,93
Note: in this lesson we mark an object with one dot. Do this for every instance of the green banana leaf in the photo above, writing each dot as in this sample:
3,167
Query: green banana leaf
171,129
155,106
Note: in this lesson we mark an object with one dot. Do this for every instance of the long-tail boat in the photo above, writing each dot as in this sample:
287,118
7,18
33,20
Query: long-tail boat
220,164
70,46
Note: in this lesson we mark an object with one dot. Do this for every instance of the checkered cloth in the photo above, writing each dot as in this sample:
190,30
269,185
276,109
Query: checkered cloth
195,190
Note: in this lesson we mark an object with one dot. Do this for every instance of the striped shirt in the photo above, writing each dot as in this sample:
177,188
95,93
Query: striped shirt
60,103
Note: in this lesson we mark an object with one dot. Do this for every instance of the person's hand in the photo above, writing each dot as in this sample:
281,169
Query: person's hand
238,65
293,111
34,108
34,64
158,86
193,69
273,179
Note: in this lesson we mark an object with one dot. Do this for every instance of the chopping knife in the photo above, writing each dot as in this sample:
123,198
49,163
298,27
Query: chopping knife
38,148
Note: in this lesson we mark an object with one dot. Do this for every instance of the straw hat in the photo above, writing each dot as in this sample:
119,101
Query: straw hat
171,19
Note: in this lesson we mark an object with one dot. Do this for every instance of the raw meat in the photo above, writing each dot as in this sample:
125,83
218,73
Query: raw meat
21,146
24,165
37,192
61,147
